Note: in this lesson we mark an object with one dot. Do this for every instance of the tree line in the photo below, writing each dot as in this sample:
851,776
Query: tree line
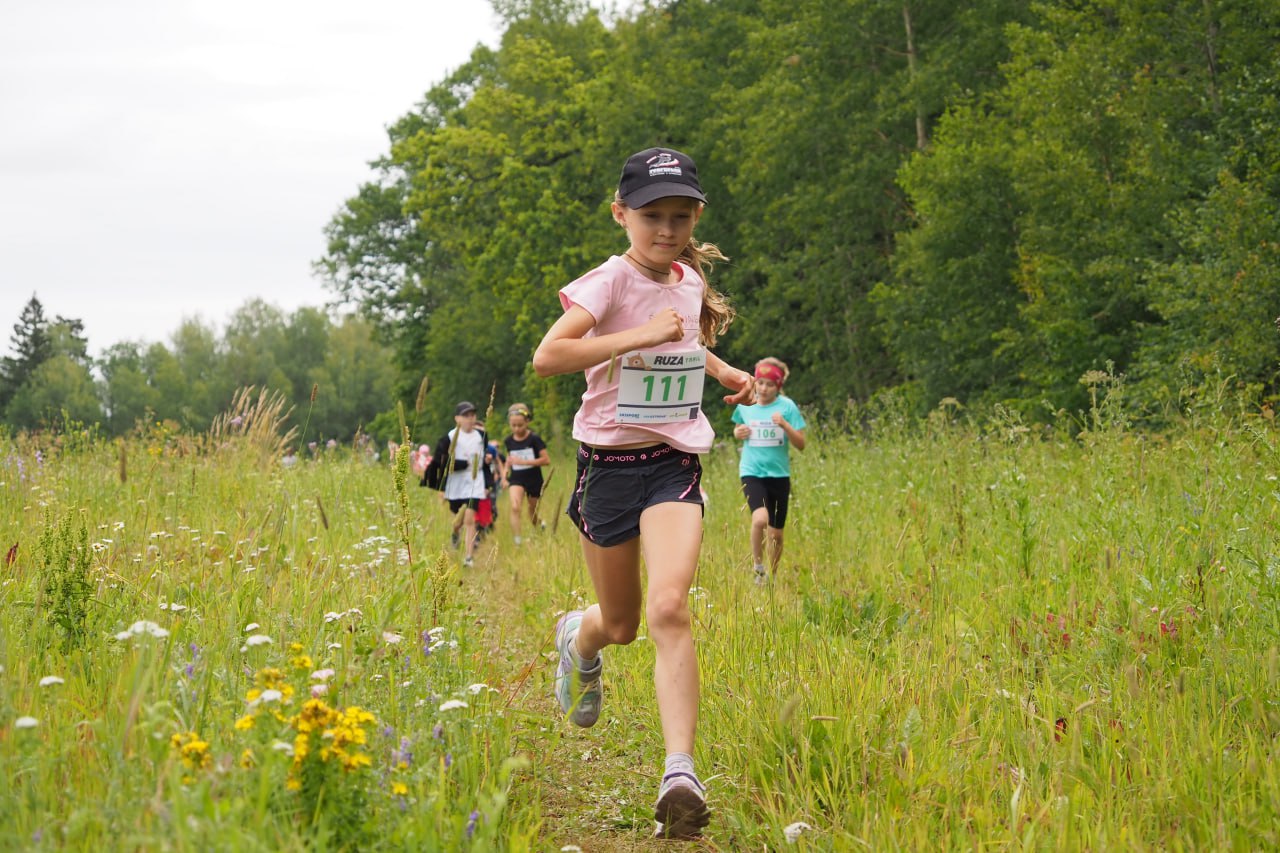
334,373
992,202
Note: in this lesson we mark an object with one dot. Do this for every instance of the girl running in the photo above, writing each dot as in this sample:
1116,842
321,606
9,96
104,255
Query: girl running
770,428
522,475
639,325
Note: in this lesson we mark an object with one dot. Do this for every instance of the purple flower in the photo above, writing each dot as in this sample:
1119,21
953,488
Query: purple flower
448,760
39,457
388,731
331,444
471,823
438,732
237,421
403,755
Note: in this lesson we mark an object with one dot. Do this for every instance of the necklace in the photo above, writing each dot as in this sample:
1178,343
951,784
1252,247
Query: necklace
665,272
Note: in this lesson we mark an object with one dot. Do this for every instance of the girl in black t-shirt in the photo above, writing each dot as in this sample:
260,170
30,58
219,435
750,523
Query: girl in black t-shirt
522,474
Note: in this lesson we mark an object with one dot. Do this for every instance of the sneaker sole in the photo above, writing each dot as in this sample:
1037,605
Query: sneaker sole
681,814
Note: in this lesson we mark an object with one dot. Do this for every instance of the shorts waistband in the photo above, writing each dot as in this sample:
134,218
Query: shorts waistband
632,457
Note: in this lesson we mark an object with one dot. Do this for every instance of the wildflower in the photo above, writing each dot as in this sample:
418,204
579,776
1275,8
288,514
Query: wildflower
438,732
403,757
257,640
26,723
322,675
476,688
471,822
172,607
302,662
193,751
795,830
452,705
331,444
50,680
252,626
247,761
399,789
236,421
281,746
143,627
391,638
318,690
245,723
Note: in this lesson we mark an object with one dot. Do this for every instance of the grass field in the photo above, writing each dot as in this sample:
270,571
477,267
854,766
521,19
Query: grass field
979,638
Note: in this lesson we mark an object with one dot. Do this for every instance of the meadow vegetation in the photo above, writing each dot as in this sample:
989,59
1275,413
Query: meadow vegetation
982,634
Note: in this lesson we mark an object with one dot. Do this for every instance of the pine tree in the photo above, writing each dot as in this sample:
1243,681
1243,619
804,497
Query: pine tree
32,346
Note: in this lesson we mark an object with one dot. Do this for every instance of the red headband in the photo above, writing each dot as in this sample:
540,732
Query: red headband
769,371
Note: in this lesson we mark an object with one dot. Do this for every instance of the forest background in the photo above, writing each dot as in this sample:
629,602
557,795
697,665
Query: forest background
996,204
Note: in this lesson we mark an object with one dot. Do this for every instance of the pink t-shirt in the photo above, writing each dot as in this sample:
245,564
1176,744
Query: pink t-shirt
620,298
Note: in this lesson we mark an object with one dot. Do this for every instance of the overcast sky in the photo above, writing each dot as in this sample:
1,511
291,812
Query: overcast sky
165,159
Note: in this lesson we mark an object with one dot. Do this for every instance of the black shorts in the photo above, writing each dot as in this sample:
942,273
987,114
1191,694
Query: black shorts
470,503
772,493
530,481
615,486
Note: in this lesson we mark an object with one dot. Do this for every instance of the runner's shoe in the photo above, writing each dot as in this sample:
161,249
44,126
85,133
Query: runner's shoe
761,577
572,681
681,811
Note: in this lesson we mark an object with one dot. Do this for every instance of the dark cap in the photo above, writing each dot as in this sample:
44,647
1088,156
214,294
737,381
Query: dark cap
658,173
464,408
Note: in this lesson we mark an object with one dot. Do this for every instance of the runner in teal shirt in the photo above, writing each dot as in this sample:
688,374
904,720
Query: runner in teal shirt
769,429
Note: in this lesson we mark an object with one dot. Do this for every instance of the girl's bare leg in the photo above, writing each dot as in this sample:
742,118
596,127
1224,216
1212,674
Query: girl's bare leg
615,618
775,549
516,498
671,536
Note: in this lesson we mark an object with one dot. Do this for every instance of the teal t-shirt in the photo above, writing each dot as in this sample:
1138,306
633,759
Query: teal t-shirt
767,452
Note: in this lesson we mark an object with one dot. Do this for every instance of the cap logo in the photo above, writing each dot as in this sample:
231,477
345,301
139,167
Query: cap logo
663,163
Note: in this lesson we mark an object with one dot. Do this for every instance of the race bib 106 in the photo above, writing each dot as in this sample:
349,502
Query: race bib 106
661,387
765,434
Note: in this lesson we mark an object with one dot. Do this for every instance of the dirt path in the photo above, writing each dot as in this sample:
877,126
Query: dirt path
592,787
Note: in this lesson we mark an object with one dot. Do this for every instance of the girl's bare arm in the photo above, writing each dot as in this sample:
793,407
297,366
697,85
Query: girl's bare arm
565,350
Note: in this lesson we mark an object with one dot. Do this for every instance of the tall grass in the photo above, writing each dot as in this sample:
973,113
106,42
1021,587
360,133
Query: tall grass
980,636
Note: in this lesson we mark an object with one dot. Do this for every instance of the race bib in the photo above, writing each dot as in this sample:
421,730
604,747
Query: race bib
523,453
765,434
661,387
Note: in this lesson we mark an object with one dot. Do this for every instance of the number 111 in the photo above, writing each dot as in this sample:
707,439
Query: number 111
666,388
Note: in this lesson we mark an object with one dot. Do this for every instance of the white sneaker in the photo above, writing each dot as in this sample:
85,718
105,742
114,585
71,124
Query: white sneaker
761,577
517,538
681,810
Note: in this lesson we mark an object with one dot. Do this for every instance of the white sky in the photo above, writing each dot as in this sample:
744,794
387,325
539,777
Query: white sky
165,159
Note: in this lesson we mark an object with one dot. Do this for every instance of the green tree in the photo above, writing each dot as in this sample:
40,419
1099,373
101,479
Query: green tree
31,346
59,389
128,393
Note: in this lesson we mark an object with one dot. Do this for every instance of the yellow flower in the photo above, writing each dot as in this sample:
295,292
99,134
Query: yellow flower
399,789
245,723
247,761
293,784
295,647
302,662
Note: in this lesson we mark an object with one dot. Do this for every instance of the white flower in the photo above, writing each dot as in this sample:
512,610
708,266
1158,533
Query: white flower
452,704
281,746
795,830
332,616
252,626
571,848
173,607
391,638
26,723
332,646
142,627
318,690
257,640
476,688
322,674
50,680
271,696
